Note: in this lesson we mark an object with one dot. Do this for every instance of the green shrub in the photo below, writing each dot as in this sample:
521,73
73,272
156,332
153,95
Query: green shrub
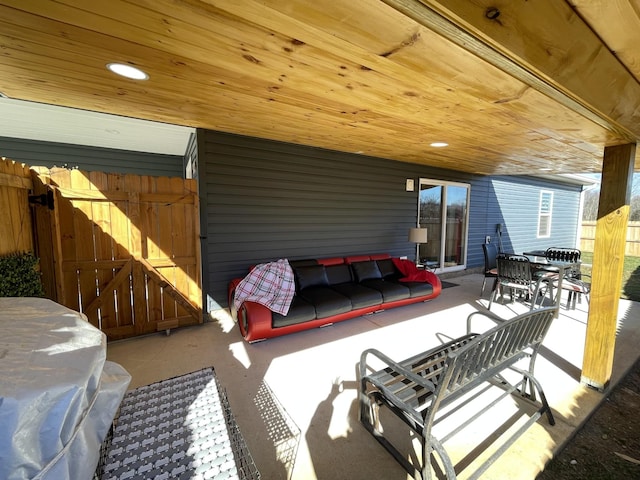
19,276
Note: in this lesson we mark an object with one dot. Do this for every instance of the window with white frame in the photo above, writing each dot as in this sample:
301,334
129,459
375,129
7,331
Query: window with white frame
544,214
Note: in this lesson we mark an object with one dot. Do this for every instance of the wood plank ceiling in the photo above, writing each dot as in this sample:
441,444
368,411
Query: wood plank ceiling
513,86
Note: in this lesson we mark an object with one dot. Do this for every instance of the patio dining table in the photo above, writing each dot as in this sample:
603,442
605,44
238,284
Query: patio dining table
558,266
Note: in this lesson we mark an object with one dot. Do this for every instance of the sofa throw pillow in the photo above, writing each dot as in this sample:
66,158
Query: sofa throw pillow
312,276
366,270
410,272
337,274
387,268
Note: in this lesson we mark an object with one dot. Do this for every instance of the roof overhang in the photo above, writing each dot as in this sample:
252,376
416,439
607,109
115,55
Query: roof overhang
513,90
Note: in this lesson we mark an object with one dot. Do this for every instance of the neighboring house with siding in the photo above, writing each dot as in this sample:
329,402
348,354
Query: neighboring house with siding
88,158
263,200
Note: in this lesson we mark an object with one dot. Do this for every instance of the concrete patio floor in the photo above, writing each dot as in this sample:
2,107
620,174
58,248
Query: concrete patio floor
295,397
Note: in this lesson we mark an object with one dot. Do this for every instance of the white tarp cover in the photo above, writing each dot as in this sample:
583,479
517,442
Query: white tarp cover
58,394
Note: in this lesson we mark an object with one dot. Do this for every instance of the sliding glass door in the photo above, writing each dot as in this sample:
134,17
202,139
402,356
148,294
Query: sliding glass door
443,208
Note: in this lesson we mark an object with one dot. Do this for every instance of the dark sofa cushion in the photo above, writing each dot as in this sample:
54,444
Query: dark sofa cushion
326,301
387,268
416,289
366,270
305,262
337,274
311,276
390,291
359,295
300,311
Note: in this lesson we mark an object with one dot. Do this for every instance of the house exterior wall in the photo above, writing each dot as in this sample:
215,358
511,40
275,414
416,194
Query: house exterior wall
92,159
190,160
514,202
264,200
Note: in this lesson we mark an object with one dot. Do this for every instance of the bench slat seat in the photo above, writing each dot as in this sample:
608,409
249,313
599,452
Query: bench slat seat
418,388
428,366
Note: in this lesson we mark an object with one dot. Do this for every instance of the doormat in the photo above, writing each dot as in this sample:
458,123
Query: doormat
448,284
177,428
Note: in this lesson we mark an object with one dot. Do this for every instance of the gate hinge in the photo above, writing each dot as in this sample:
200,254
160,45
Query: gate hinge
45,199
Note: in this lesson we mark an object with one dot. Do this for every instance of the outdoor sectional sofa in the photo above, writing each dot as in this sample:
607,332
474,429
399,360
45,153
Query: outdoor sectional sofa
329,290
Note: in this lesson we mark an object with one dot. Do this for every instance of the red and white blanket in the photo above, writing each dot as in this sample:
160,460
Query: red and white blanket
270,284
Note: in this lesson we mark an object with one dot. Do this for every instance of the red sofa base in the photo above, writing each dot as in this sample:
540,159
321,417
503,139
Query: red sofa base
255,320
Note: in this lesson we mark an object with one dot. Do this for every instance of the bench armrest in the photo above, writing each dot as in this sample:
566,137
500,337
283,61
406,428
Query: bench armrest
488,314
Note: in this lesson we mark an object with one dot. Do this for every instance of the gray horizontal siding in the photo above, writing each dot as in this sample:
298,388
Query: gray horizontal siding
191,153
267,200
109,160
264,200
516,202
480,220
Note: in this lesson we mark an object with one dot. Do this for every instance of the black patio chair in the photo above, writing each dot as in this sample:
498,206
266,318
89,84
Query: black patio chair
572,280
514,274
563,254
577,287
490,251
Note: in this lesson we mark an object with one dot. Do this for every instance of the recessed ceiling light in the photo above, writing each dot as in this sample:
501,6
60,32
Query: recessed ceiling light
439,144
127,71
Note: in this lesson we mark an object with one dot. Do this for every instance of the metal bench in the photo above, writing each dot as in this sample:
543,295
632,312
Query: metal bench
419,388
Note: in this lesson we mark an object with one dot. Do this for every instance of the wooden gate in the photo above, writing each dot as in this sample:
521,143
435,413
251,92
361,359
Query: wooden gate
122,249
16,234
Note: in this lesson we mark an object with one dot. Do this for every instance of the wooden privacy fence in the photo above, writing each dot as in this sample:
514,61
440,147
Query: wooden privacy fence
122,249
16,235
632,248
